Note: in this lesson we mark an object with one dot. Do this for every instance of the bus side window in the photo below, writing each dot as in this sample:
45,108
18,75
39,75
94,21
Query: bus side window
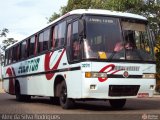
6,57
46,39
60,37
14,55
31,46
10,56
40,42
75,42
27,48
52,42
56,36
36,45
69,28
68,35
18,52
23,49
61,33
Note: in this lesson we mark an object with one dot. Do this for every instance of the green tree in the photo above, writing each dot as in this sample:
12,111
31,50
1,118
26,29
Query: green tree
3,32
5,43
76,4
147,8
79,4
53,17
133,6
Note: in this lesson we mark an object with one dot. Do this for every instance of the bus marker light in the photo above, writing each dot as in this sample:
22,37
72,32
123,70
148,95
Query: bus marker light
88,74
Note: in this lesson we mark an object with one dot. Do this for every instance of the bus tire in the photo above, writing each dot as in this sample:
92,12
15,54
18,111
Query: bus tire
117,103
65,102
20,97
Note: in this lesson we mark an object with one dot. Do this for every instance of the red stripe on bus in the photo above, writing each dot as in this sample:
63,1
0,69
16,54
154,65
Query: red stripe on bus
111,68
11,73
47,62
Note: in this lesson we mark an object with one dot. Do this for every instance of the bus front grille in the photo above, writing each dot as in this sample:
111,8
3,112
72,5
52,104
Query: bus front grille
123,90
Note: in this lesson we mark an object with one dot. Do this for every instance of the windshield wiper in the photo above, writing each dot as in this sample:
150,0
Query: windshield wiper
112,55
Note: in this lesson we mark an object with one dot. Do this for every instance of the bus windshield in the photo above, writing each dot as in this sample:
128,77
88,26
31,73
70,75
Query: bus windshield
112,39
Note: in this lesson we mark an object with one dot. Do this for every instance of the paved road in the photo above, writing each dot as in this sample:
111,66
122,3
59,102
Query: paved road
134,109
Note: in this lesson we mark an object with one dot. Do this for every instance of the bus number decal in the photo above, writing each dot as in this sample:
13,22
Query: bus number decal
86,65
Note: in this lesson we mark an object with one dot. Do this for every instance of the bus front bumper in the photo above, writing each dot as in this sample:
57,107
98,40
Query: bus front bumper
118,88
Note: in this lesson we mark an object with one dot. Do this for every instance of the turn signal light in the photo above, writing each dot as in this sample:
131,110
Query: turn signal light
88,74
95,75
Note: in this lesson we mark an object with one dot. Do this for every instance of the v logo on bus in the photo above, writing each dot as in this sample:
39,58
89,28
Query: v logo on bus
109,68
47,64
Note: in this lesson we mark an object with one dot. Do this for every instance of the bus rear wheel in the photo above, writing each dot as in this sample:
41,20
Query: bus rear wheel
20,97
65,102
117,103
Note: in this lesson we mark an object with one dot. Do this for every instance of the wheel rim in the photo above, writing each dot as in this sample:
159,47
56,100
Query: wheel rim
64,95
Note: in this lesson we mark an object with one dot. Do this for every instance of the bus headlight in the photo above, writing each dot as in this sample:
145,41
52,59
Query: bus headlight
95,75
149,76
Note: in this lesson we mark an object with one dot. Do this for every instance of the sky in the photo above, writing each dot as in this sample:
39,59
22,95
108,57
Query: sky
24,17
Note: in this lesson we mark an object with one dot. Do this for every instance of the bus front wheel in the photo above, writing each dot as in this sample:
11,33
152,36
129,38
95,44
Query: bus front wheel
117,103
65,102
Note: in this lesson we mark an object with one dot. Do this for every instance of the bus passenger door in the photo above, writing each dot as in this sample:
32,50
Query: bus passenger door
74,76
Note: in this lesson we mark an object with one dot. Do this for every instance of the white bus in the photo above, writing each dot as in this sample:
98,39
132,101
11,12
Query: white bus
84,55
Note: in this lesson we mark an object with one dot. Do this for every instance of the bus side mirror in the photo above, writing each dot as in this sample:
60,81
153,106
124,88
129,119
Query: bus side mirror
81,28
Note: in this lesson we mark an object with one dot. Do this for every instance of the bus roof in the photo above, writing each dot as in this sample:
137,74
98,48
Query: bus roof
101,12
93,12
107,12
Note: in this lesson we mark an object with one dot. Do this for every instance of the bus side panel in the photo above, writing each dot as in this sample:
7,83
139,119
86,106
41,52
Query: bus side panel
74,84
42,83
6,85
9,83
72,76
36,85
